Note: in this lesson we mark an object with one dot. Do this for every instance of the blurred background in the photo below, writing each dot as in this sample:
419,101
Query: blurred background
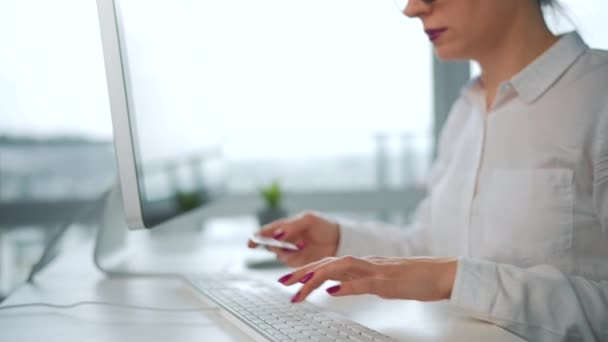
327,98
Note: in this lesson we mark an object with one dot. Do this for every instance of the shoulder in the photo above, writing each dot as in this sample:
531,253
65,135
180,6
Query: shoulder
597,57
580,98
589,71
591,84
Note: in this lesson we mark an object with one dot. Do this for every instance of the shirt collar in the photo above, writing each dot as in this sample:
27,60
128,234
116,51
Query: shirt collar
536,78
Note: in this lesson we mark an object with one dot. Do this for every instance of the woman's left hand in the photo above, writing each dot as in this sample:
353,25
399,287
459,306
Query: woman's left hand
423,279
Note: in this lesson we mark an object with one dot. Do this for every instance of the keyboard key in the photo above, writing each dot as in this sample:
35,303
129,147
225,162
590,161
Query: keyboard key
298,336
361,338
282,326
289,331
300,326
274,322
335,335
324,339
312,333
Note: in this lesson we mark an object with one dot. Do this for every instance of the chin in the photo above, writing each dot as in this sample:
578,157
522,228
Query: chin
449,53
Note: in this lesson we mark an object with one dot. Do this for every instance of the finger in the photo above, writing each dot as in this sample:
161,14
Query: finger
288,229
295,228
270,230
274,250
320,267
366,285
295,276
345,268
312,280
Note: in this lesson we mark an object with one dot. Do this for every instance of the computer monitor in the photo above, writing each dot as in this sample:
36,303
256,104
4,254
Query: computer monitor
160,166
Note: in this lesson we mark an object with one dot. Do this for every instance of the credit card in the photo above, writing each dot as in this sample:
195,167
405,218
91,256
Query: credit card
270,242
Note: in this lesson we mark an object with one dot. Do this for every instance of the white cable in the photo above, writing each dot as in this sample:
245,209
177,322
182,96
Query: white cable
124,306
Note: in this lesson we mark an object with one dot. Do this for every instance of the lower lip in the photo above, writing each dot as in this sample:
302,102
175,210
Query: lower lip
435,35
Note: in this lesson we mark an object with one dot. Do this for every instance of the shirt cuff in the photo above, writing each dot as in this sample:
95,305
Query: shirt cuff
348,242
475,286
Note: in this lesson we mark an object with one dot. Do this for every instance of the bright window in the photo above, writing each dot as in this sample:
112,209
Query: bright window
588,17
315,94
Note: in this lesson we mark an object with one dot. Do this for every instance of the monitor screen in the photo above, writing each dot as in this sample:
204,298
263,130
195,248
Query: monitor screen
176,161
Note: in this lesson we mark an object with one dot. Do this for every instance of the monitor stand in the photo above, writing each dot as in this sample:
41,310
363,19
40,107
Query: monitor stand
111,242
167,250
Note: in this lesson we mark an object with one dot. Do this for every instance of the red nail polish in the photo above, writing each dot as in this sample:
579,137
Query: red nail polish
285,278
300,245
295,298
333,289
307,277
278,234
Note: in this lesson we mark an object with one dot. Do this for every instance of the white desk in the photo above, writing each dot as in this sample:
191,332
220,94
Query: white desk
73,278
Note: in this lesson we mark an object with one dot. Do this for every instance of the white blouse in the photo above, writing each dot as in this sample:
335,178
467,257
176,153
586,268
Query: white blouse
520,194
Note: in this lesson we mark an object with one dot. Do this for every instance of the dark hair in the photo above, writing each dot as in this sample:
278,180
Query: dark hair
556,9
548,3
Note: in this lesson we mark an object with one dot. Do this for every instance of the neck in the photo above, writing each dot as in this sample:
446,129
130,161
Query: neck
523,42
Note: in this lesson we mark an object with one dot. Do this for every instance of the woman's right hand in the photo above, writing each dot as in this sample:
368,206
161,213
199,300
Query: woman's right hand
315,236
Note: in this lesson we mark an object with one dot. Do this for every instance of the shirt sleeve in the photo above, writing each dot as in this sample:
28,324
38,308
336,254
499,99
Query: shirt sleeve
364,239
538,304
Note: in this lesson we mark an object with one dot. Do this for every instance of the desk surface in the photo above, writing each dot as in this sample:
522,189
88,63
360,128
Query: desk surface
73,278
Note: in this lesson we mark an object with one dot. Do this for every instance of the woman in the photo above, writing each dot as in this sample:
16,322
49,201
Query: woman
515,226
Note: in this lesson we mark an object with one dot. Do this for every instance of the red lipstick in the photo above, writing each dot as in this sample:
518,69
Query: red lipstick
434,34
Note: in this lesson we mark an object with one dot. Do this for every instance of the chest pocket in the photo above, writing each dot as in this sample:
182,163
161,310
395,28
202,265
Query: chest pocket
527,215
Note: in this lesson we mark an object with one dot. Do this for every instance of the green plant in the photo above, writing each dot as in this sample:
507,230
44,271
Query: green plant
272,195
190,200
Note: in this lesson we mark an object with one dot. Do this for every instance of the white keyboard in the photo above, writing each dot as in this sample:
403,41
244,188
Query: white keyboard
268,311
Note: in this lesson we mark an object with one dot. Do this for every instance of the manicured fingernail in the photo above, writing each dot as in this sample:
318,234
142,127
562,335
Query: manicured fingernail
279,233
300,245
285,278
333,289
296,297
307,277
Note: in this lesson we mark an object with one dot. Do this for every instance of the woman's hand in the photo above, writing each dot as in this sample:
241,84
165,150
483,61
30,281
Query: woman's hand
315,237
423,279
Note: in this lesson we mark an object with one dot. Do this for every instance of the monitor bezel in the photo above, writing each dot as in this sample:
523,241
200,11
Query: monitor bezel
122,125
